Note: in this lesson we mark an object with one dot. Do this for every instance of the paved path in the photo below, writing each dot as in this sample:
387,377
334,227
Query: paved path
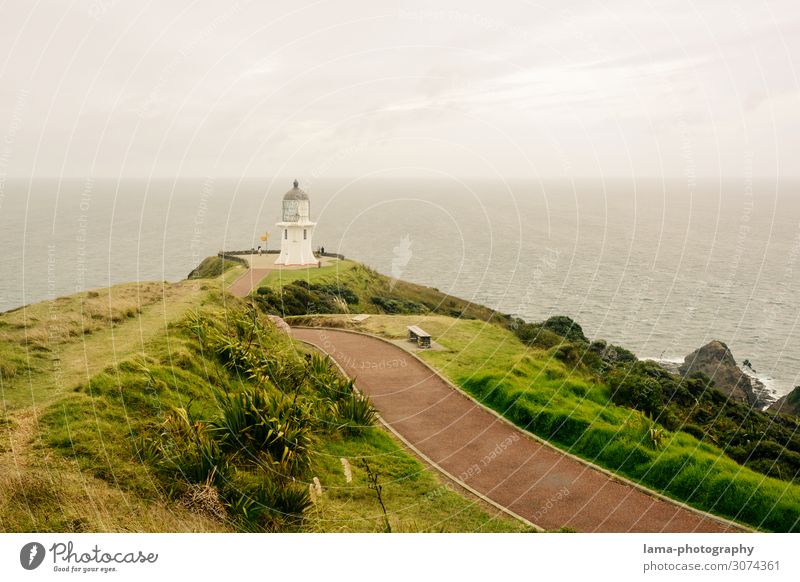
494,458
247,282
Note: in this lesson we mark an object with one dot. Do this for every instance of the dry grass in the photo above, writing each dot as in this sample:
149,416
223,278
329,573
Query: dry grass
51,348
203,499
58,498
62,320
47,349
40,491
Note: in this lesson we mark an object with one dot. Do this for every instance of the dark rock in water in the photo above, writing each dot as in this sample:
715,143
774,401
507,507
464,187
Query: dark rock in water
788,403
716,361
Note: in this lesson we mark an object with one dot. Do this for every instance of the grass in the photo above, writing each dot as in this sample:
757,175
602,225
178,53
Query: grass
417,501
82,395
57,345
339,270
571,409
213,267
367,283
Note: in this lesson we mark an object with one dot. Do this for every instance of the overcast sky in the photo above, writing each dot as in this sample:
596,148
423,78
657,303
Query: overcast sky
346,88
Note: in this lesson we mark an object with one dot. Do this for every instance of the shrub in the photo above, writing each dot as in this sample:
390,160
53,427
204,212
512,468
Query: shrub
611,354
270,428
694,430
267,506
395,305
639,386
566,328
301,298
534,334
187,446
354,414
334,290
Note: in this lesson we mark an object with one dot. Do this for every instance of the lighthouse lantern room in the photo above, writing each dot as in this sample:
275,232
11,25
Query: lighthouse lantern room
295,229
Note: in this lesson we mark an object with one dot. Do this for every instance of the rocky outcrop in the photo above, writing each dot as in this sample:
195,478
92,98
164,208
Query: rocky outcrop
788,403
716,361
281,324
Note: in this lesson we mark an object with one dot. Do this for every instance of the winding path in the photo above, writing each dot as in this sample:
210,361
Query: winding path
247,282
493,458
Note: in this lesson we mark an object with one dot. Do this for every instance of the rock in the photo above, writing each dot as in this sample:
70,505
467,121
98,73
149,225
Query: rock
281,324
716,361
788,403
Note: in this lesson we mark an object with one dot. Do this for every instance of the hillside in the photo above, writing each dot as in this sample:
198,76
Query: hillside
132,409
350,287
682,437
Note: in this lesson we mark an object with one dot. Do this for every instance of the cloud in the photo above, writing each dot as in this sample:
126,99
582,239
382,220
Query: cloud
297,84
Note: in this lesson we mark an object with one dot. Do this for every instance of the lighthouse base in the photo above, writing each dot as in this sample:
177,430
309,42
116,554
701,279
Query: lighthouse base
296,245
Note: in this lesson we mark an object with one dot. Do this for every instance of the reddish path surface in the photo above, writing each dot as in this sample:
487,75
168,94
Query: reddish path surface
247,282
494,458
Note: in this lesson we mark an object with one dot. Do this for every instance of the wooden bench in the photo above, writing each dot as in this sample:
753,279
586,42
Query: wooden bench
419,336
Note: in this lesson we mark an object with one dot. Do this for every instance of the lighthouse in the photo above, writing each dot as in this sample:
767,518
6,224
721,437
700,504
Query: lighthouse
295,229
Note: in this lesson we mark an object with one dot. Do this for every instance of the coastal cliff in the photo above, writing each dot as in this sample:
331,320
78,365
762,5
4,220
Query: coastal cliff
716,361
788,403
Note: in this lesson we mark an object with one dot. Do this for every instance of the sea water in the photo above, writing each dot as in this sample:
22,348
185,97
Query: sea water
658,267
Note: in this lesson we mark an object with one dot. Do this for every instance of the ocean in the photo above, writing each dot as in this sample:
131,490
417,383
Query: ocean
658,267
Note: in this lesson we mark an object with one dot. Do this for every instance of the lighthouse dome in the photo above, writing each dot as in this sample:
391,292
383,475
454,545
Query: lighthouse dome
296,206
296,193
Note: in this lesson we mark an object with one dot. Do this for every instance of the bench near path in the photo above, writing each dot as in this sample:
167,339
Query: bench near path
492,457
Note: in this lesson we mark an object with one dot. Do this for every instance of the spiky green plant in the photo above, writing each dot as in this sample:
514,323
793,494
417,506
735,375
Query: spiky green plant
354,413
188,447
320,366
268,506
333,387
656,436
256,420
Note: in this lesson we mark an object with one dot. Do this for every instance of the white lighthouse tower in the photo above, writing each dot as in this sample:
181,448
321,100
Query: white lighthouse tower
295,229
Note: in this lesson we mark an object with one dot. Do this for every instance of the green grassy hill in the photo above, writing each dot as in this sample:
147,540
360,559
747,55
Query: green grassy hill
569,406
350,287
680,437
131,409
154,407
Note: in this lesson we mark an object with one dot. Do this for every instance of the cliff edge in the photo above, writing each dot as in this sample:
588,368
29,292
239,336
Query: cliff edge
716,361
788,403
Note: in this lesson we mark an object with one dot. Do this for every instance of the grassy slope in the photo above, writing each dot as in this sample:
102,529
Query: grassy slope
367,283
339,270
212,267
572,410
54,347
86,377
417,500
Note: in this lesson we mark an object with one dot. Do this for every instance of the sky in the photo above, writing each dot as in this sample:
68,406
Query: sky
461,89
